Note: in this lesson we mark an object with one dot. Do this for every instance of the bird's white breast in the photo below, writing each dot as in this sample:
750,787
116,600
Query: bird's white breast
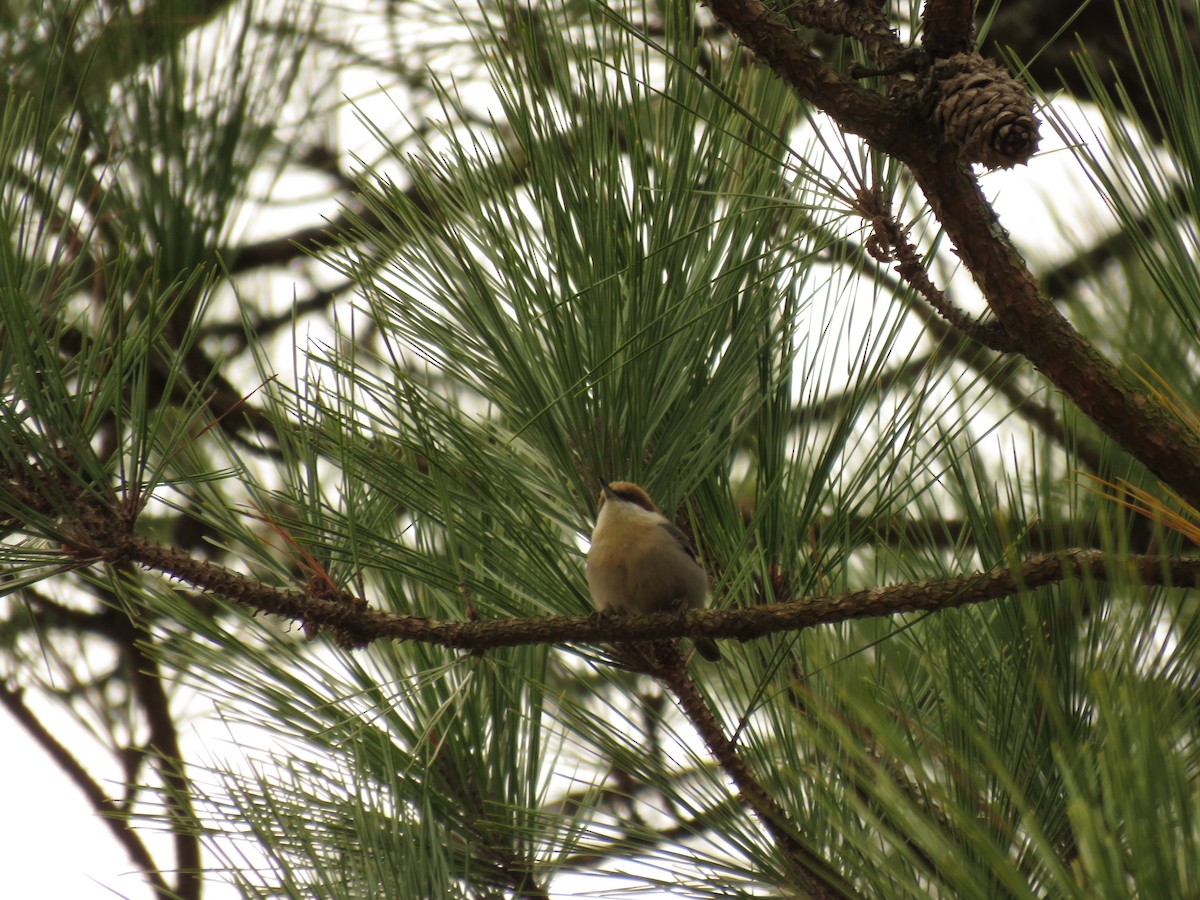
636,565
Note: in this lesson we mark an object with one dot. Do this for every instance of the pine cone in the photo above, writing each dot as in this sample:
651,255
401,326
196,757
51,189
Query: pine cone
980,107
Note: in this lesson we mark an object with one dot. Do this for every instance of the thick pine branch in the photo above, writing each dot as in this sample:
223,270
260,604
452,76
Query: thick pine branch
818,879
897,125
103,533
353,623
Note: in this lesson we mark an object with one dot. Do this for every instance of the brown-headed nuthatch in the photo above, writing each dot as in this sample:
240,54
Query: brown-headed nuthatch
640,563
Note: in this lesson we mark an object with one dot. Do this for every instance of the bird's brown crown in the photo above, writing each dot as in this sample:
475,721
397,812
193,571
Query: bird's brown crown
630,493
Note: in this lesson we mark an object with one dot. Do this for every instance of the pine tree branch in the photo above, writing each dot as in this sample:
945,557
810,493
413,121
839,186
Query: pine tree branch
889,241
263,327
1124,410
816,876
47,615
352,623
492,848
949,26
127,42
970,352
897,125
865,22
228,406
862,778
765,30
108,809
1114,248
1022,28
103,534
147,683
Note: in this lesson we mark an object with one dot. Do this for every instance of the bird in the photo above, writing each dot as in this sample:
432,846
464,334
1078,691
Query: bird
641,563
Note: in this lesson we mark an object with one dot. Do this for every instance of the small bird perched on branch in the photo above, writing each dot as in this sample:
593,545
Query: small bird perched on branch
641,563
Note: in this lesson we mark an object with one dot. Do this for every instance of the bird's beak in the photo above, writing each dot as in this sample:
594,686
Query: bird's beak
606,490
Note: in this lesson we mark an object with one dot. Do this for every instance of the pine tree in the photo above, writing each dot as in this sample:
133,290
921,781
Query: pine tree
333,485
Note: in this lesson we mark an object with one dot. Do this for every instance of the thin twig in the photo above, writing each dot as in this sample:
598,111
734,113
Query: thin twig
152,698
109,810
818,878
889,241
